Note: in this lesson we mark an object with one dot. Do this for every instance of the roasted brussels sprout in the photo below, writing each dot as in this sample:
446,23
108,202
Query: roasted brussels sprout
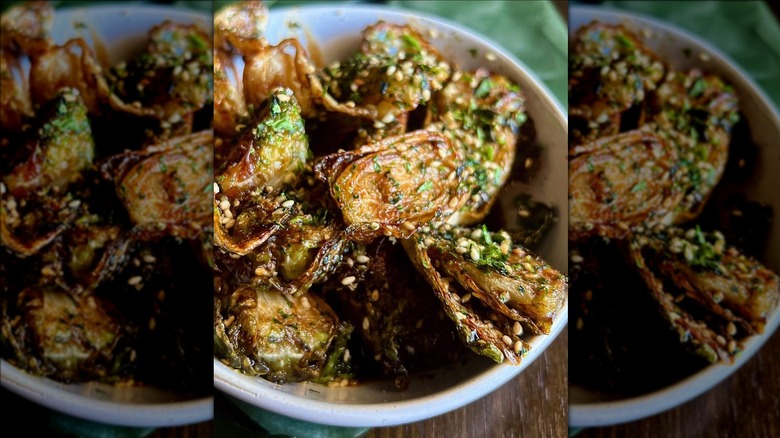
171,78
695,114
610,71
282,338
166,188
241,26
711,294
620,182
59,150
61,336
268,153
394,71
481,113
27,26
394,186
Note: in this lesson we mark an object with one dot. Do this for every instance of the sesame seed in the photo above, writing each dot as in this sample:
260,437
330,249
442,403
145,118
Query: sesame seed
152,323
216,188
350,262
576,258
517,329
378,357
366,323
580,323
289,203
426,94
134,280
529,162
375,295
732,346
476,234
283,97
410,349
278,211
390,70
465,298
474,253
731,329
260,272
388,118
428,241
362,259
419,323
74,203
518,347
490,56
461,250
374,225
721,340
48,271
225,205
460,316
408,225
348,280
346,355
305,302
507,340
379,125
148,258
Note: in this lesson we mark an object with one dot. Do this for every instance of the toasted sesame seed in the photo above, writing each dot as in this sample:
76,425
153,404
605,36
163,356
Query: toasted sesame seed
216,188
374,225
48,271
305,302
283,97
465,298
428,241
148,258
476,234
348,280
460,316
490,56
426,94
278,211
230,223
507,340
260,271
410,349
74,203
408,225
375,295
721,340
134,280
366,323
224,205
388,118
346,355
289,203
362,259
419,323
529,162
379,125
517,329
731,329
576,258
474,253
461,250
732,346
580,323
152,323
518,347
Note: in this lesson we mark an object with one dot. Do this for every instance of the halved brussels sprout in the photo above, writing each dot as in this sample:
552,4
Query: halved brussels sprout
279,337
620,182
52,333
60,149
611,70
270,152
713,295
505,276
27,26
396,185
166,188
171,78
695,114
481,113
394,71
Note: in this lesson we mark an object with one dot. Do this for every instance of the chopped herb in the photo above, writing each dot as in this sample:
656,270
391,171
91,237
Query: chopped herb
411,41
473,52
484,88
641,185
624,41
377,167
427,185
698,87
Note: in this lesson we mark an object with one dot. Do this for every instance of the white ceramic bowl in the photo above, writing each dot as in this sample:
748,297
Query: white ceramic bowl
119,29
336,31
589,408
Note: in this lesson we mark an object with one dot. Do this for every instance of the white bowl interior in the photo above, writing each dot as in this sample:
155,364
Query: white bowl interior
591,408
334,32
118,32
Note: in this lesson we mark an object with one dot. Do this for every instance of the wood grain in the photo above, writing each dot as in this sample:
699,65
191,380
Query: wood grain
532,405
745,405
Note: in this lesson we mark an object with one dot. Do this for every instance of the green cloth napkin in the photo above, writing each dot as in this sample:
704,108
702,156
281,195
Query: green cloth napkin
746,31
531,30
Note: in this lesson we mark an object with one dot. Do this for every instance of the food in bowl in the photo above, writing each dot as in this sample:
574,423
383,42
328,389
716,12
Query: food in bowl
657,266
105,217
358,249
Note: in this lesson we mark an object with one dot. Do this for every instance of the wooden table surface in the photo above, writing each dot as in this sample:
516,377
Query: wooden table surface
747,404
532,405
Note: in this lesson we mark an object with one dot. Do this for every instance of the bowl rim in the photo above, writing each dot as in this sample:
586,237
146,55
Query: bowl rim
407,411
47,392
635,408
